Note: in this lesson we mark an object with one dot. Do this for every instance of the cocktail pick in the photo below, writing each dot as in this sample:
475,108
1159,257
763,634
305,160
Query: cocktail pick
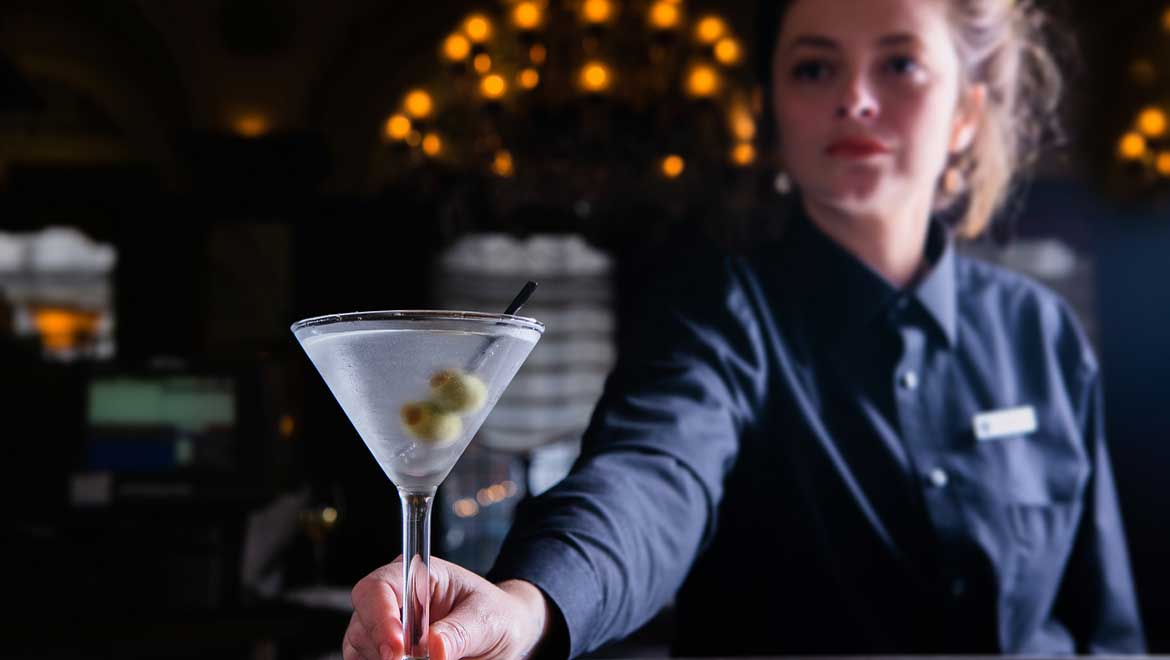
521,298
513,307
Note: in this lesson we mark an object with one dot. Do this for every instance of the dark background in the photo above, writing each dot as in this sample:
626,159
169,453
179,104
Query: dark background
117,118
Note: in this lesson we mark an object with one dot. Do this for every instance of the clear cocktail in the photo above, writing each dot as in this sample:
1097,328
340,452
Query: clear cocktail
417,385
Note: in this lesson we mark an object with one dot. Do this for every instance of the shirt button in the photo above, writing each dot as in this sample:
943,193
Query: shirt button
938,477
909,380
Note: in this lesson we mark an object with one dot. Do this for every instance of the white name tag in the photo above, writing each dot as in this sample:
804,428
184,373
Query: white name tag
1000,423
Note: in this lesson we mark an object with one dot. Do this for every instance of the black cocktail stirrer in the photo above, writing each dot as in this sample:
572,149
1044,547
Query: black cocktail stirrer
511,310
521,298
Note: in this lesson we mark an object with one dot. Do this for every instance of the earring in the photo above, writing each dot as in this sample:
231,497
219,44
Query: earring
782,183
952,180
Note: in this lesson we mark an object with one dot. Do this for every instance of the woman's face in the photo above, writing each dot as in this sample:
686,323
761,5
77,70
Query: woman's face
867,101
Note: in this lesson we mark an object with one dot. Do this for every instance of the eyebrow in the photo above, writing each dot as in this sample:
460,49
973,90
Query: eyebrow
899,39
827,43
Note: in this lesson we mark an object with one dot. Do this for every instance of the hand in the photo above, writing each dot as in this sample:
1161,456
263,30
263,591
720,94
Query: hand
470,617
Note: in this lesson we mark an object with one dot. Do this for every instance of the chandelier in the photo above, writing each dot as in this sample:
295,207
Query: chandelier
582,104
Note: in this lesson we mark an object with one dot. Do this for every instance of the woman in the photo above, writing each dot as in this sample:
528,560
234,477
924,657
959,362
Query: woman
853,440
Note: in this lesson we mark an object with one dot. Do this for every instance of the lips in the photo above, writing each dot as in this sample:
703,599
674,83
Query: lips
856,147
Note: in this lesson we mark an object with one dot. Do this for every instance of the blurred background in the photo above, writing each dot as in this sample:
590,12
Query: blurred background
180,180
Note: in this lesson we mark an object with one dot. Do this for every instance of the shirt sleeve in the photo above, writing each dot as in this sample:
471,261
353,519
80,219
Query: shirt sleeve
1098,600
612,542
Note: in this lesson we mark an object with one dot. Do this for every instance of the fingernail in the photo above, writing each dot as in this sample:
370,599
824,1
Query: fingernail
384,651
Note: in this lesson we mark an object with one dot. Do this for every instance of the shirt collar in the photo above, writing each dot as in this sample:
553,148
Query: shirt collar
936,292
843,294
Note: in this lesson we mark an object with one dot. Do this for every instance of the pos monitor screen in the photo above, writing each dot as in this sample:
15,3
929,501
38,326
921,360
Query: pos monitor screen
161,424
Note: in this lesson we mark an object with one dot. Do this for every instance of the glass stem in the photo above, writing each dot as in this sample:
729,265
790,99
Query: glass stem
416,572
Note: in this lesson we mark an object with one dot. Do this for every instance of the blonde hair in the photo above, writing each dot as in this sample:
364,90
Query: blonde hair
1003,45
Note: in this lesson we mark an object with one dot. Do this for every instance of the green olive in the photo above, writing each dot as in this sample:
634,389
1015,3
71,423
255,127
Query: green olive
427,422
458,392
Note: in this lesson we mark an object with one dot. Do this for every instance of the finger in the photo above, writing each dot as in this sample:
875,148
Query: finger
469,631
348,652
376,600
359,641
391,575
449,585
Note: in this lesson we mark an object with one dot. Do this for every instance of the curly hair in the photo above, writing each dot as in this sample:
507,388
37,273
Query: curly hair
1002,44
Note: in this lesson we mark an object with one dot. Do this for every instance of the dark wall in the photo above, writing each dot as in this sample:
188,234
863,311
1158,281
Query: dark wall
1134,281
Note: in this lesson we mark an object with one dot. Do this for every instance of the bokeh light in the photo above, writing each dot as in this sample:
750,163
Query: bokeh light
478,28
595,77
418,104
672,166
456,47
397,127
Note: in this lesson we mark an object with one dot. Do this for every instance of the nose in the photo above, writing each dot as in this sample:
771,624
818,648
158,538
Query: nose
857,101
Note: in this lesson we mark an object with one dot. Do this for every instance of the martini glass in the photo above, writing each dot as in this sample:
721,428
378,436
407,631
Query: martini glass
417,385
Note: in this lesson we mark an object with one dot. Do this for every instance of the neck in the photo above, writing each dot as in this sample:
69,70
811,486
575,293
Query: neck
893,245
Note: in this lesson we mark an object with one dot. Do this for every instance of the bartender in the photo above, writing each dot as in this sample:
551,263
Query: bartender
851,440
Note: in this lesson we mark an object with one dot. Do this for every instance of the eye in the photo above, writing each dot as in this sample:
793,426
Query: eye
902,65
811,70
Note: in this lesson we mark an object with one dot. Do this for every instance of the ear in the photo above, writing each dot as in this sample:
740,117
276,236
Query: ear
967,117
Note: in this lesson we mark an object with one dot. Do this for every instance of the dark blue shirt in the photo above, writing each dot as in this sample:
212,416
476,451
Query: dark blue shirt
792,444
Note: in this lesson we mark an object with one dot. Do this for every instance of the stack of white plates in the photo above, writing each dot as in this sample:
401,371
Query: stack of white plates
553,395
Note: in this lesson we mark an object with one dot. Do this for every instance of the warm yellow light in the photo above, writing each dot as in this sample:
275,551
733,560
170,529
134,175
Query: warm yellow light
537,53
328,515
1166,20
595,77
529,78
743,127
483,63
710,29
418,104
596,11
1132,146
250,125
502,163
397,127
493,87
1163,163
287,426
63,329
743,153
1152,122
727,51
432,144
702,80
456,47
664,15
478,28
483,497
414,138
672,166
526,15
465,508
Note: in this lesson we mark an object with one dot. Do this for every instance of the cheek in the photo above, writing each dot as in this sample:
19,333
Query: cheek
922,120
803,125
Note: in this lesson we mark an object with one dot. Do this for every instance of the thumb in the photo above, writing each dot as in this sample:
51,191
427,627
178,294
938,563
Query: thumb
463,633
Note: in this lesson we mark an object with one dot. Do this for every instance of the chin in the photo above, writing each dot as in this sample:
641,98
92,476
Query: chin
852,197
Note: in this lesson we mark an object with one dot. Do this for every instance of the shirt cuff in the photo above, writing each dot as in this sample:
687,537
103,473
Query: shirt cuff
567,581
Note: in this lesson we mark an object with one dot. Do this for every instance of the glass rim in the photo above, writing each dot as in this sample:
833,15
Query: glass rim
486,318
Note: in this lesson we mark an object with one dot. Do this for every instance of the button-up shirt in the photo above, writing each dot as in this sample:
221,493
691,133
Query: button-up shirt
790,450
